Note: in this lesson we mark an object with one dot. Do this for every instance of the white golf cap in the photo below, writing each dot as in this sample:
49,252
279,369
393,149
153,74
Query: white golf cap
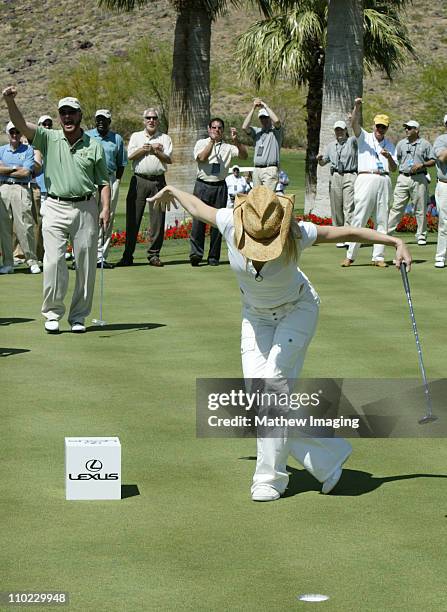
340,124
411,123
70,102
10,126
44,118
263,113
103,112
445,118
235,167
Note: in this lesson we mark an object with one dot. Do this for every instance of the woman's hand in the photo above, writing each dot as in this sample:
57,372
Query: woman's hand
164,198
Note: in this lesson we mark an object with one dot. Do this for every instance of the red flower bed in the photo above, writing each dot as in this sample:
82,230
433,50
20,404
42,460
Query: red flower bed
183,230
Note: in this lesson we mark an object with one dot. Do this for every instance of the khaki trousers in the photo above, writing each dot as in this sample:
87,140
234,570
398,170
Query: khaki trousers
441,203
341,196
17,205
266,176
372,194
104,250
18,251
79,222
410,188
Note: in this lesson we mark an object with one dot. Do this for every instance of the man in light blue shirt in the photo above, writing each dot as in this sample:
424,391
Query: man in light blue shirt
16,168
116,159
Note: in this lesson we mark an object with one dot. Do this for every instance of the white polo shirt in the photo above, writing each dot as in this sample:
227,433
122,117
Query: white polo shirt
278,282
149,164
369,152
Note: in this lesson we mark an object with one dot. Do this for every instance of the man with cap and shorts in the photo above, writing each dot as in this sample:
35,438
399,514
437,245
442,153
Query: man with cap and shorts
150,153
440,150
16,169
75,165
372,188
268,140
236,183
415,155
341,154
116,158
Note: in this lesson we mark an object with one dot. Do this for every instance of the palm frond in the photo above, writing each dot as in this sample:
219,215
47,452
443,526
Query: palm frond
122,5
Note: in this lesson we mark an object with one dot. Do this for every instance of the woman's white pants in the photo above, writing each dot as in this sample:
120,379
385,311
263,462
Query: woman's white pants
273,345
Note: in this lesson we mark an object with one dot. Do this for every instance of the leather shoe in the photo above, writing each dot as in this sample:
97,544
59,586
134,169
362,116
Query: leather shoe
155,261
195,260
106,265
346,263
380,264
264,493
213,262
123,263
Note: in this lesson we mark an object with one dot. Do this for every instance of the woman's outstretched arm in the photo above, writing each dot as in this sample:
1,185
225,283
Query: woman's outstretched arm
365,235
199,210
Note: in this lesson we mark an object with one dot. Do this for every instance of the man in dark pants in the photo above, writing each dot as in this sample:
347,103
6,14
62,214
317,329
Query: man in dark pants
213,157
150,152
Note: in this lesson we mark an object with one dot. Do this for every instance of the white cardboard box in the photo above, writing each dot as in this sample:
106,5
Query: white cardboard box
92,468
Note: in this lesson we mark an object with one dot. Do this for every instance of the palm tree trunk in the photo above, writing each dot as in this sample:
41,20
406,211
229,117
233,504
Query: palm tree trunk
189,110
313,107
343,80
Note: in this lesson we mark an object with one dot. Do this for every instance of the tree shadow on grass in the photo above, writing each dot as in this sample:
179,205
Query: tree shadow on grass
129,490
124,328
12,320
7,352
202,264
352,482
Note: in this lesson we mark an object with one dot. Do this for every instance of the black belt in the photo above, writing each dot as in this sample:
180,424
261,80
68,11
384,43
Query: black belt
88,196
412,173
267,166
150,177
213,183
13,182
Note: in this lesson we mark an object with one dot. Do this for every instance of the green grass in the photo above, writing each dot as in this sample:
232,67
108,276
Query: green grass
193,540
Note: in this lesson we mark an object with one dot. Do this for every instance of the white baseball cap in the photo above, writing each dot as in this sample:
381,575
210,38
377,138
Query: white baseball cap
103,112
263,113
10,126
44,118
340,124
235,167
411,123
70,102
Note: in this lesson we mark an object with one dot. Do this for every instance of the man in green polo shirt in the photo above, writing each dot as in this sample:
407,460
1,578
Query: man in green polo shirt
74,166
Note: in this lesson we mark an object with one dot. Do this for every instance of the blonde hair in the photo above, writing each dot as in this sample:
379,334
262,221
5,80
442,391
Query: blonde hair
291,245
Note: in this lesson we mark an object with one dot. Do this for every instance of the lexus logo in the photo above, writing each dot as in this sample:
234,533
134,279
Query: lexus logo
93,465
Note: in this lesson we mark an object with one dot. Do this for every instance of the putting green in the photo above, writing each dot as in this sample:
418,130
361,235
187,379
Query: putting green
192,539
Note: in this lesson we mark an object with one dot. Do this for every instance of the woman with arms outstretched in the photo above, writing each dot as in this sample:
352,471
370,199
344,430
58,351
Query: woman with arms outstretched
280,312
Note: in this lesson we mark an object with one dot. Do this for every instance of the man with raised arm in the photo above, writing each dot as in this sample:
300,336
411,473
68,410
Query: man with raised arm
372,188
74,164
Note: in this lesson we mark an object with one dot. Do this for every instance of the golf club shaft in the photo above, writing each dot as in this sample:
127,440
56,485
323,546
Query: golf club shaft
403,270
101,289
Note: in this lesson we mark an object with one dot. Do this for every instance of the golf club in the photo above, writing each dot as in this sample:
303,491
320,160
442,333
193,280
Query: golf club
101,321
429,416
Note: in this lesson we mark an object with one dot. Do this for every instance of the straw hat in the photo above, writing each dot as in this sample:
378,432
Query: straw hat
261,223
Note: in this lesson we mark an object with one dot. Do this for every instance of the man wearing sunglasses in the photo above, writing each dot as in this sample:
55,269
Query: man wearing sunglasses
440,149
415,155
372,188
16,168
150,153
74,164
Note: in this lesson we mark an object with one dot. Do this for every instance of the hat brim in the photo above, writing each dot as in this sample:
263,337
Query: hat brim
268,249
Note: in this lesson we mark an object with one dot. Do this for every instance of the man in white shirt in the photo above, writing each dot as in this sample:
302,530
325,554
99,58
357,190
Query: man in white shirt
150,153
372,188
213,157
235,184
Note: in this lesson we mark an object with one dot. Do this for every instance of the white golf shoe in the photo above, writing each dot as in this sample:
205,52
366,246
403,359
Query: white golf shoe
332,481
264,493
52,326
439,264
34,269
78,328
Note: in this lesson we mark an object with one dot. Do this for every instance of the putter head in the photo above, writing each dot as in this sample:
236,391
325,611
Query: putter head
98,322
428,418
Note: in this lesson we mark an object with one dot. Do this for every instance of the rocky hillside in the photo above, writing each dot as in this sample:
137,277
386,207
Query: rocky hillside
38,37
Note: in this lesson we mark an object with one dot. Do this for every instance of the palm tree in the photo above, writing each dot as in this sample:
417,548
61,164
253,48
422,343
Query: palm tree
290,42
189,107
